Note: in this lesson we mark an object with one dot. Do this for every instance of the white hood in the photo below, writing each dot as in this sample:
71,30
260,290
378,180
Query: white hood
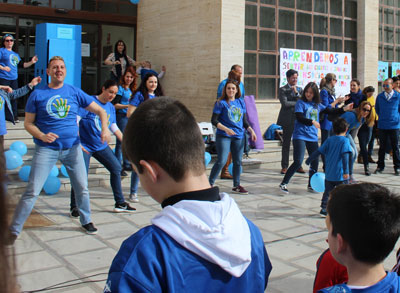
216,231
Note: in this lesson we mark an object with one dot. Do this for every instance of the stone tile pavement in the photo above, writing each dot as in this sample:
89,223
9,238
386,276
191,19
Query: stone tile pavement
293,232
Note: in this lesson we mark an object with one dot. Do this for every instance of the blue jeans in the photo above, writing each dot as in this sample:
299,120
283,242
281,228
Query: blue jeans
364,136
107,158
388,137
329,186
354,153
134,182
122,120
225,144
43,161
299,148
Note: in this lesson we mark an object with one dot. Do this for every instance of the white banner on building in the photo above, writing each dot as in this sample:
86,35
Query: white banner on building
314,65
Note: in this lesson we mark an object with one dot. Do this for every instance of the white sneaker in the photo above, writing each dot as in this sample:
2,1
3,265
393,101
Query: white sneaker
133,197
283,188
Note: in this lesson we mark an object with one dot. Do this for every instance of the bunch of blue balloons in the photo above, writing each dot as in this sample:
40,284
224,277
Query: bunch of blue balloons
14,160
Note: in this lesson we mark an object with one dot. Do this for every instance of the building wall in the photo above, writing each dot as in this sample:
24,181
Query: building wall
197,41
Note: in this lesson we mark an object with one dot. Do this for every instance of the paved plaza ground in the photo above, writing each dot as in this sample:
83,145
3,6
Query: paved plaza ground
293,232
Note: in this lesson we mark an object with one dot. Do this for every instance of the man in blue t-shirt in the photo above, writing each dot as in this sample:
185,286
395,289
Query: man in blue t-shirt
337,151
51,118
363,227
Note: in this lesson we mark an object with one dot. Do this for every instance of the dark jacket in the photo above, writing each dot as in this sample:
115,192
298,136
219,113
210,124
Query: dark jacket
18,93
288,100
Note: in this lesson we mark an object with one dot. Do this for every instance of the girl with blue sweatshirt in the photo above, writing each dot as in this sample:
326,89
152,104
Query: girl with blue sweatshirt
305,133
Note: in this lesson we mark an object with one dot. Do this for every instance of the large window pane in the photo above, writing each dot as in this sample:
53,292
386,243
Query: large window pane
335,45
250,61
251,15
304,5
388,53
303,42
336,27
398,36
287,3
267,40
286,20
304,22
380,34
336,7
398,17
320,25
351,47
350,29
62,4
388,34
128,9
272,2
321,6
388,16
350,8
107,7
286,40
250,39
321,44
267,64
267,17
250,85
266,88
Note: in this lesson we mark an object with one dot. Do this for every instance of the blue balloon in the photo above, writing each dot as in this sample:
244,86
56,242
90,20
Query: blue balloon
64,171
13,159
318,182
134,1
54,171
230,169
24,173
207,158
19,147
52,185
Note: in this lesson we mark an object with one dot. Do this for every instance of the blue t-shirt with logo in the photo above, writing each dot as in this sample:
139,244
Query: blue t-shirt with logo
138,99
90,127
310,110
10,59
231,116
3,129
56,111
333,149
125,96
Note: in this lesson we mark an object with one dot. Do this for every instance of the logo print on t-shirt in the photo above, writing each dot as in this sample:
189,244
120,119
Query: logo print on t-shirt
1,103
57,107
14,60
235,114
97,122
312,113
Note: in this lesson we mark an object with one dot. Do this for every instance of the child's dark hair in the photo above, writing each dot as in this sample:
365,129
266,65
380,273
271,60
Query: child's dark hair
315,90
367,216
164,131
368,89
340,125
395,78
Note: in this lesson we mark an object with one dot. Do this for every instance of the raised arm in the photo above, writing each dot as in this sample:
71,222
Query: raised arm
30,63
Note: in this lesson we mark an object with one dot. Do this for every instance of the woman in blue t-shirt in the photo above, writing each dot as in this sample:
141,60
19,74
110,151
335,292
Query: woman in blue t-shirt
231,122
92,146
126,88
305,133
356,97
149,88
355,119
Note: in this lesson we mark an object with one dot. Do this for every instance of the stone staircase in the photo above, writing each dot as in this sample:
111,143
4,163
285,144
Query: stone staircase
98,175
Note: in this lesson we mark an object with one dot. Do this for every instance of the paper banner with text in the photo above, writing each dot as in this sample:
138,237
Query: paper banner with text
395,69
314,65
383,70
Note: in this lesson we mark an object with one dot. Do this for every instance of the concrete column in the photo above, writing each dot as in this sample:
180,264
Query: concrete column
197,41
368,42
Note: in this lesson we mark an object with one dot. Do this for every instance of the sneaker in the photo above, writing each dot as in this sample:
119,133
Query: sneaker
74,212
16,120
397,172
283,188
283,171
378,171
352,180
127,168
123,173
123,208
323,212
133,197
10,239
240,190
90,228
310,189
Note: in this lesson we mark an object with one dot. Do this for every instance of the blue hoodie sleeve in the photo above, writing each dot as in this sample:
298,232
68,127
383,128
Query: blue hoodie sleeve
20,92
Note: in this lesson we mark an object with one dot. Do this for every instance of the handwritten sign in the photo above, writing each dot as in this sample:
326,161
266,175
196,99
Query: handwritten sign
395,69
314,65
